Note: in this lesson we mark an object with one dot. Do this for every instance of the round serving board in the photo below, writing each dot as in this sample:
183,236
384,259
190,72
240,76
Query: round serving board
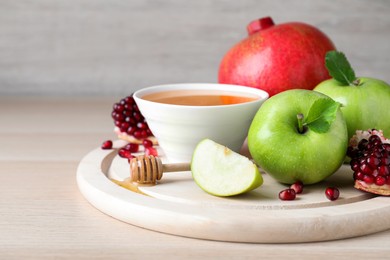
176,205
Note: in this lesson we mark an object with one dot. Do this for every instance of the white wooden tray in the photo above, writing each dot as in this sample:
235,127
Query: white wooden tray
178,206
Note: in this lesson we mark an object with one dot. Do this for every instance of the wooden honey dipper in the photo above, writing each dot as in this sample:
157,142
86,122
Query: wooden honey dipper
147,170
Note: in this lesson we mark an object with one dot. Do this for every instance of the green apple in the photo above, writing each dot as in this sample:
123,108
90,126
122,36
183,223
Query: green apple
365,101
298,135
221,172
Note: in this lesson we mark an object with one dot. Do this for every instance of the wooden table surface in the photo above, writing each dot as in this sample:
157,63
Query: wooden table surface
44,216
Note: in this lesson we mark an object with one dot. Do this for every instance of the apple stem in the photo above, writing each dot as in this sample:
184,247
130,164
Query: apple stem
356,82
301,129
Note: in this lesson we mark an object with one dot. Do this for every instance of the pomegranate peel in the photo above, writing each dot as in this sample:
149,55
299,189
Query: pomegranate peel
373,188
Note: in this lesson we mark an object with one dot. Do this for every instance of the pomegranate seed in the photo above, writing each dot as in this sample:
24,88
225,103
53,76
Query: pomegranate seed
373,161
129,100
137,116
107,145
332,193
124,153
113,114
151,151
362,160
380,180
147,143
297,187
362,144
287,194
359,175
127,112
142,125
365,168
119,117
355,165
129,120
369,179
385,160
384,170
351,152
131,147
138,134
131,130
125,125
144,134
148,132
374,140
119,108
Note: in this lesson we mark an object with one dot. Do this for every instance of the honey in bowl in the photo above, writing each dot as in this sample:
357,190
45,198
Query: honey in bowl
199,97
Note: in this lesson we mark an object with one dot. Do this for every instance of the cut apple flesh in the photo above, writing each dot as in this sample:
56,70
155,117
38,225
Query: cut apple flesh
222,172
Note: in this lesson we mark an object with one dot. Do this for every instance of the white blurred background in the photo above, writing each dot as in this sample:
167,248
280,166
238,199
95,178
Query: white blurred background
113,47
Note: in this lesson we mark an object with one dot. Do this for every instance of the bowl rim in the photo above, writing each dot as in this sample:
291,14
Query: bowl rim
263,95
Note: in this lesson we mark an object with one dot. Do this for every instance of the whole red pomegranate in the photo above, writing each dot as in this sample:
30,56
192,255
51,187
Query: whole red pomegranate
277,57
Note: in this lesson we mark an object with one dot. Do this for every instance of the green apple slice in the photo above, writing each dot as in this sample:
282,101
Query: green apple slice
222,172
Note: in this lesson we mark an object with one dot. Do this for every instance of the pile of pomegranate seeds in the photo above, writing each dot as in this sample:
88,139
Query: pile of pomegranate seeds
129,120
370,161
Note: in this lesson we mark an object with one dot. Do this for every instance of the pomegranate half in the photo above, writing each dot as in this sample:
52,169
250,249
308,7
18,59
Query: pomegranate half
370,161
275,58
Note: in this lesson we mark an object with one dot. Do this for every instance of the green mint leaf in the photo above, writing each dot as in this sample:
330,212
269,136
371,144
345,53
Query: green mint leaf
339,67
321,115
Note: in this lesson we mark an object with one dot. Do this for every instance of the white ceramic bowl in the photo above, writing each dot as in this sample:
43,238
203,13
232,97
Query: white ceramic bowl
179,128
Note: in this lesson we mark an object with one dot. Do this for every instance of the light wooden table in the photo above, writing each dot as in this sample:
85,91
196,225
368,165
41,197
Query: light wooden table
44,216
